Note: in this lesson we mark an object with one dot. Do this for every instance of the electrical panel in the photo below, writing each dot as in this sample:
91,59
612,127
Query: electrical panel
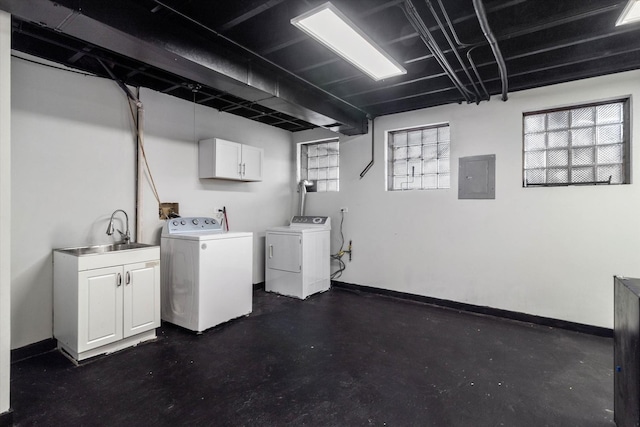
477,177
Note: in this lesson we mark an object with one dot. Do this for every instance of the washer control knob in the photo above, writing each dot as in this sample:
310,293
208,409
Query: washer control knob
195,222
175,223
206,221
183,222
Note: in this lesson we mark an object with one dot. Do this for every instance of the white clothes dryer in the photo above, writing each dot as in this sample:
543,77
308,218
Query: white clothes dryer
206,274
297,257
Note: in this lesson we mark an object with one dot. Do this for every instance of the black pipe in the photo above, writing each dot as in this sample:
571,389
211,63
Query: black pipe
475,70
366,169
414,18
123,86
484,24
454,49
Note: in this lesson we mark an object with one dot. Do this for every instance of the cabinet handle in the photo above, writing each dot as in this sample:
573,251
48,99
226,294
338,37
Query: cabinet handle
240,169
128,279
119,281
244,169
270,251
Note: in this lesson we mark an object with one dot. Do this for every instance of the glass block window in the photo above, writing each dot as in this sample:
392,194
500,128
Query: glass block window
320,163
581,145
419,158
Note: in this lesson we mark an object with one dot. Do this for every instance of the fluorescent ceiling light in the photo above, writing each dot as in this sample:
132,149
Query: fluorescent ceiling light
630,14
333,29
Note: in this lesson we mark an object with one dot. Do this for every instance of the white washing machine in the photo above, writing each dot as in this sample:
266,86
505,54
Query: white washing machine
297,257
206,274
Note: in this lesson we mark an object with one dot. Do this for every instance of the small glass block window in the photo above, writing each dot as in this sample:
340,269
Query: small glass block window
320,163
581,145
419,158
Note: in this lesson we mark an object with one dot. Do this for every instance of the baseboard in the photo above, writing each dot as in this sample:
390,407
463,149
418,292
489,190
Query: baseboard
6,418
32,350
513,315
258,286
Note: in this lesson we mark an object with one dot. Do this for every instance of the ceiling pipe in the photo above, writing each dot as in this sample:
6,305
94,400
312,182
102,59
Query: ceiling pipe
418,24
123,86
366,169
484,24
469,58
453,47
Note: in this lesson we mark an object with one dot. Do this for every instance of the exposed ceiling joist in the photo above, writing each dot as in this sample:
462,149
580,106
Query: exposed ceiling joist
105,26
244,57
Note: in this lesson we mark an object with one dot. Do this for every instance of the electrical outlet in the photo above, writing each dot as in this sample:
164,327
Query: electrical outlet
345,210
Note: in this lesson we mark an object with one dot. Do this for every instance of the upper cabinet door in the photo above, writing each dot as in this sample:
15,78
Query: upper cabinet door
252,163
219,158
228,159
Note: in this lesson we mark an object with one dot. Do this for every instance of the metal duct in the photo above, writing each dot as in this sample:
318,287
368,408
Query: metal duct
204,60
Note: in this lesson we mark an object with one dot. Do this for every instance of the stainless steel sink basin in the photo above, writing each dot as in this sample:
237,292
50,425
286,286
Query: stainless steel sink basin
101,249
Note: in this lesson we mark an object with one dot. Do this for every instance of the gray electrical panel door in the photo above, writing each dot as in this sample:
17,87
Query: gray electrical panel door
477,177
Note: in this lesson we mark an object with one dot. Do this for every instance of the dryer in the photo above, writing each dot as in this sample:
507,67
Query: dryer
297,257
206,274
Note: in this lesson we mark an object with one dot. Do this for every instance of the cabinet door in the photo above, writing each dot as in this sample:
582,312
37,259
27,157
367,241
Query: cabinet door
284,252
99,307
251,163
228,159
141,297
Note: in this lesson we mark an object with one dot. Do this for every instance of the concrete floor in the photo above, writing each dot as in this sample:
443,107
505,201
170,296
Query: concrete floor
342,358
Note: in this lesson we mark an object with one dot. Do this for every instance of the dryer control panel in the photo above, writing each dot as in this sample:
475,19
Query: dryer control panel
311,222
192,225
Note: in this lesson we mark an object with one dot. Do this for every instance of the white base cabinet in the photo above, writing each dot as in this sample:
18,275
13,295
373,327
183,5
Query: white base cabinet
101,309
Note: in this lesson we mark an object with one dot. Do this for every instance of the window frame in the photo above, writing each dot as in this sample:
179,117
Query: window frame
389,175
626,143
300,167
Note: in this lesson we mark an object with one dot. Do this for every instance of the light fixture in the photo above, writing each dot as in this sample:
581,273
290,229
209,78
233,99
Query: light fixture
630,14
333,29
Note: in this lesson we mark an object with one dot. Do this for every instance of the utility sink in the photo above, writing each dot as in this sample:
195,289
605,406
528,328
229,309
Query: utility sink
89,257
101,249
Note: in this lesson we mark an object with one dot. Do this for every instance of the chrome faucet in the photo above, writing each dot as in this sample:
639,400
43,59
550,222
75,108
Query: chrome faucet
126,237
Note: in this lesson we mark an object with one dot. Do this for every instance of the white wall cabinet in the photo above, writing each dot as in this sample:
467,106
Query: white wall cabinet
219,158
103,302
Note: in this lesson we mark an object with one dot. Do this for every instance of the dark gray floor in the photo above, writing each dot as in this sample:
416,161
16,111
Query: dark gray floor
338,359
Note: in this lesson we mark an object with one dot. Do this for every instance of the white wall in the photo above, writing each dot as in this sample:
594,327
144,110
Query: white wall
544,251
172,133
5,209
549,252
73,164
73,156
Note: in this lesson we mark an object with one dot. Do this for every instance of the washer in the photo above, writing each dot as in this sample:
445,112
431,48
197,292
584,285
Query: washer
297,257
206,274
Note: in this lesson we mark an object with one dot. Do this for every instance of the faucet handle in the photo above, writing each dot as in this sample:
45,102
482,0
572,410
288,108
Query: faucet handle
125,236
